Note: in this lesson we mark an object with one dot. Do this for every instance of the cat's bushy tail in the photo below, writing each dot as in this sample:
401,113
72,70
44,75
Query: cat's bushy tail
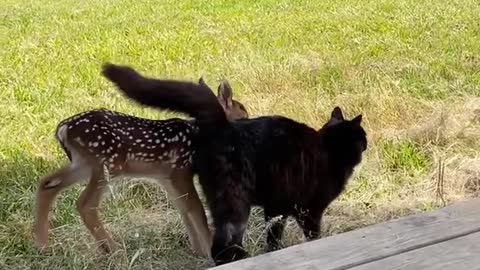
195,100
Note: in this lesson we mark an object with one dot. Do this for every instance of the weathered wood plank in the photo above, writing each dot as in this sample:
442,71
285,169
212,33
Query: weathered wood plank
375,242
455,254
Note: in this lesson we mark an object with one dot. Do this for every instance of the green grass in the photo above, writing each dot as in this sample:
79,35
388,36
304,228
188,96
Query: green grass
411,67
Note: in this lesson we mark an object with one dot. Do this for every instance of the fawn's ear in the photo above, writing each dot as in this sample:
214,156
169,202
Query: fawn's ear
357,120
225,94
337,114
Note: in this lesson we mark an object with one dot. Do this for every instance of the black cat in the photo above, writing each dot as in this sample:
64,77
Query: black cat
284,166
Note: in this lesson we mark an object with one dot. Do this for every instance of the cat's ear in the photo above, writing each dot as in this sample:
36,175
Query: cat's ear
225,94
357,120
337,114
203,84
201,81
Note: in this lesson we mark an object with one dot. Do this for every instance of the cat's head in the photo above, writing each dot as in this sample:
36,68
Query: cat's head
344,139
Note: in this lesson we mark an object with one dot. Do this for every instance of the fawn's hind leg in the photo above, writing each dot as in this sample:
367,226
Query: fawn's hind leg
182,191
47,191
87,206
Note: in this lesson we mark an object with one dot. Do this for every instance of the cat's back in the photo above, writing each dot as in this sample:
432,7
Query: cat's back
257,137
271,134
276,128
284,154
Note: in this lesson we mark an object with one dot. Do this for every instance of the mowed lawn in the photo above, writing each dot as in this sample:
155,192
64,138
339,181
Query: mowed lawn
412,68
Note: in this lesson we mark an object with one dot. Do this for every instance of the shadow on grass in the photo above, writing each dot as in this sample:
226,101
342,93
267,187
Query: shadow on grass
20,174
153,238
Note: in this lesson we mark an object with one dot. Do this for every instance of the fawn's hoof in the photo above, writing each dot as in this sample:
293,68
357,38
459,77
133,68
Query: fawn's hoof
109,248
43,249
201,252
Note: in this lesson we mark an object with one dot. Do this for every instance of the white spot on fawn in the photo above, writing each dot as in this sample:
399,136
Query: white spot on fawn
79,141
53,183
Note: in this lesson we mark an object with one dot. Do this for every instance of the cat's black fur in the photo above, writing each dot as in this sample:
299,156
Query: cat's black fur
284,166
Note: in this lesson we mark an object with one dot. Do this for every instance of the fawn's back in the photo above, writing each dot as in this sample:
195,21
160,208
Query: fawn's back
113,139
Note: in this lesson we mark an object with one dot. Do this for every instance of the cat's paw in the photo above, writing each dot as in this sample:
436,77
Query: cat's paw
229,254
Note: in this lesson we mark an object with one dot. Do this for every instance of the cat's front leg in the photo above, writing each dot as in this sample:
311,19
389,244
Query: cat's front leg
275,230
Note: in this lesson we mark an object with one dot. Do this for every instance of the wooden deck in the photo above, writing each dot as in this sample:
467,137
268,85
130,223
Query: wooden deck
448,238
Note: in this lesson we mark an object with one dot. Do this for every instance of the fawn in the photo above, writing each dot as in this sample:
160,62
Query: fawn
103,141
284,166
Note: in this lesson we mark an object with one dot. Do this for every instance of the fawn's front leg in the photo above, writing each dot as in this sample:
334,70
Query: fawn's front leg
87,206
185,197
47,191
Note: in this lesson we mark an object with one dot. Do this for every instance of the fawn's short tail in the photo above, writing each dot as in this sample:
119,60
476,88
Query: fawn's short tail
195,100
60,134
